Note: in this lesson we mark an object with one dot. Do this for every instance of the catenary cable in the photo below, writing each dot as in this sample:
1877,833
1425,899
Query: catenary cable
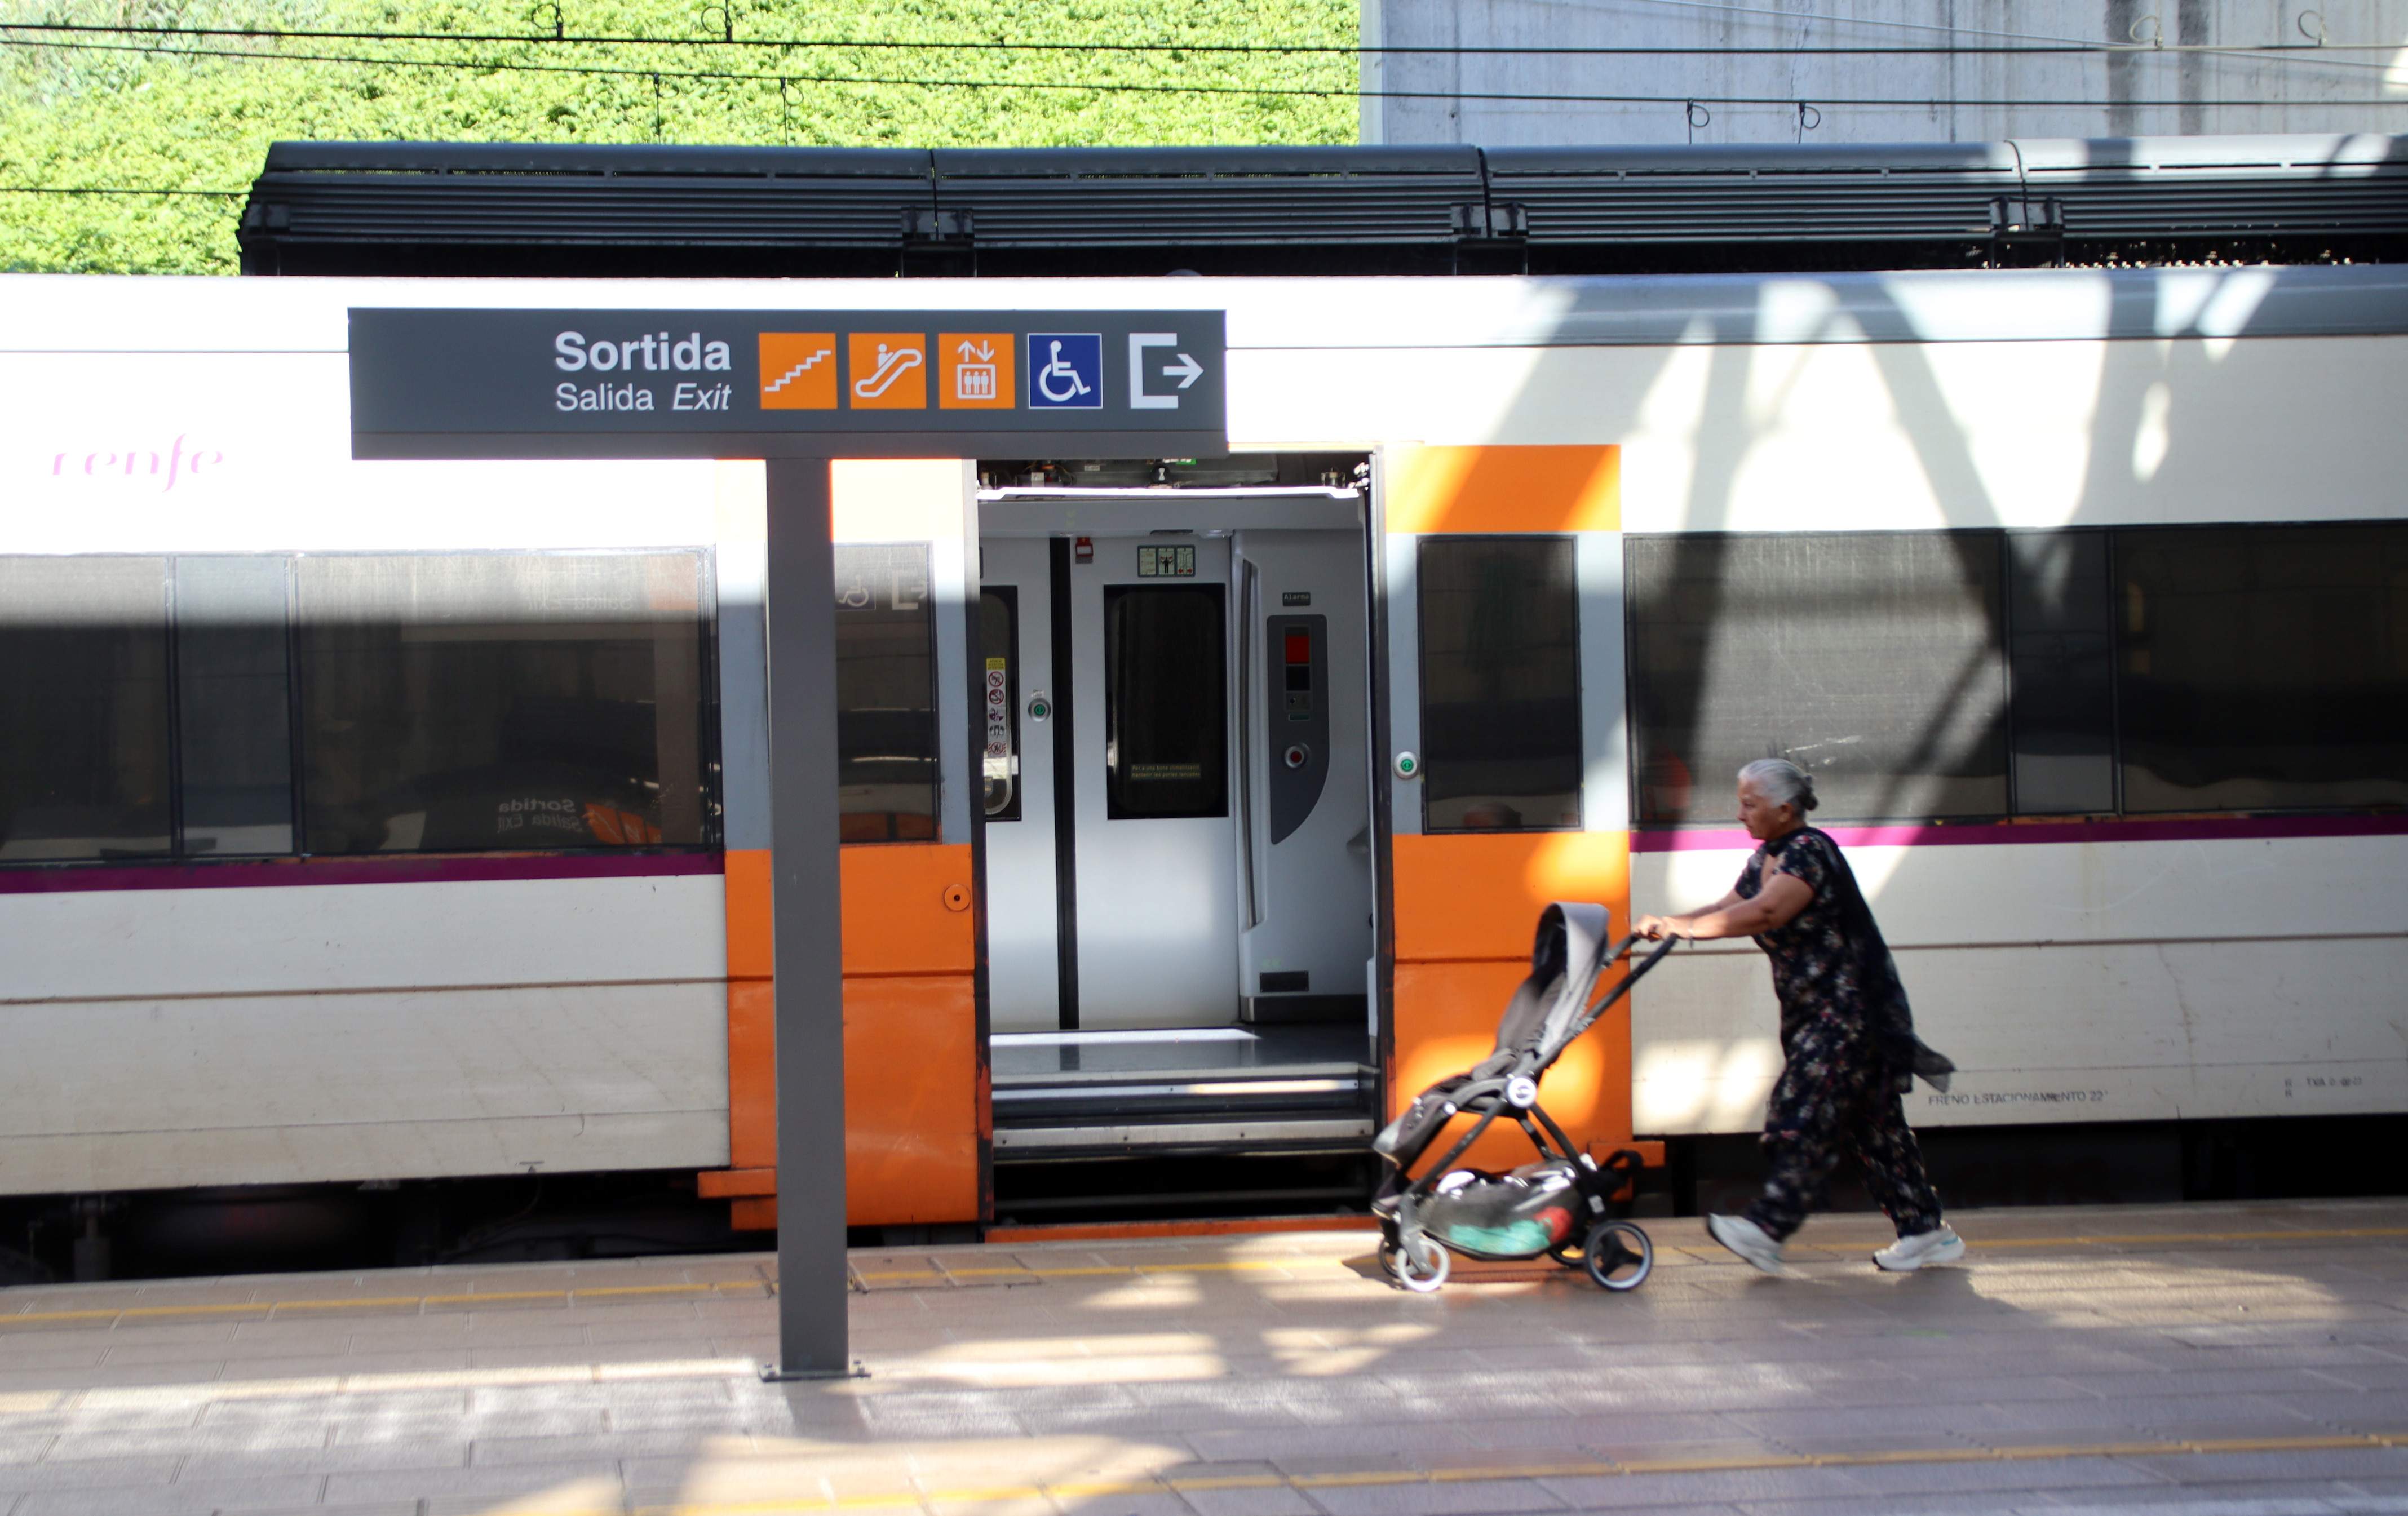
116,189
1108,87
2047,47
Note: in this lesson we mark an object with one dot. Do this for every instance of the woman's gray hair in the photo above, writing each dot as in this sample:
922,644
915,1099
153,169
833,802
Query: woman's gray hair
1781,782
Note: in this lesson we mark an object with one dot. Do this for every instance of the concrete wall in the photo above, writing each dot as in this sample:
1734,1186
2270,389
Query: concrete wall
1936,97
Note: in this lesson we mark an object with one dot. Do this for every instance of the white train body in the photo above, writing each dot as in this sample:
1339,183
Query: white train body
446,1024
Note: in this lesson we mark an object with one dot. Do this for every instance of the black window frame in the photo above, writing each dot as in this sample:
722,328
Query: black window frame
2118,540
710,757
1433,757
1116,781
2112,543
1636,728
935,719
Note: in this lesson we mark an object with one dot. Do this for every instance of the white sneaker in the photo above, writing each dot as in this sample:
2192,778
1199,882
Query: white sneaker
1940,1245
1751,1242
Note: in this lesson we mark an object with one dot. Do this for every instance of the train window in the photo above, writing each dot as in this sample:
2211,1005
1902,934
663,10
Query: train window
2263,668
1873,660
999,657
1165,695
885,684
1500,683
501,702
2060,652
83,708
234,693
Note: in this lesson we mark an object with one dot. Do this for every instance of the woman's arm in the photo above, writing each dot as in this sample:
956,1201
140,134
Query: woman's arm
1776,905
1655,927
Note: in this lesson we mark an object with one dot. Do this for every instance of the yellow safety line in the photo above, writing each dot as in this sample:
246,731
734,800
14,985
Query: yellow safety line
763,1289
1090,1270
389,1302
2328,1235
1600,1468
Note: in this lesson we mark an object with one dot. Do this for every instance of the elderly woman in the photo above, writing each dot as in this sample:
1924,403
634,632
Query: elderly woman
1846,1030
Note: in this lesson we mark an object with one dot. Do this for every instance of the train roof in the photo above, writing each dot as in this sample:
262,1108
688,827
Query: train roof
498,210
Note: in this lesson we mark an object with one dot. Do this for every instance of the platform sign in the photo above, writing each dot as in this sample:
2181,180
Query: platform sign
800,388
454,383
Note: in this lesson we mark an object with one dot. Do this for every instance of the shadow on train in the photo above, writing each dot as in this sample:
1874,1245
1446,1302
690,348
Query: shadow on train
570,1217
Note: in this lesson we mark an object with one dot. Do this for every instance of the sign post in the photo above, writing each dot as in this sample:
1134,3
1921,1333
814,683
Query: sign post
798,389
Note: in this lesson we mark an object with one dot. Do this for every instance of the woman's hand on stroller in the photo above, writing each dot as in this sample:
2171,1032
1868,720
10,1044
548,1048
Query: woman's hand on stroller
1656,928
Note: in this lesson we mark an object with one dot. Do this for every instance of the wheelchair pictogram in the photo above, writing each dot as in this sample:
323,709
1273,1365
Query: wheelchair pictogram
1066,370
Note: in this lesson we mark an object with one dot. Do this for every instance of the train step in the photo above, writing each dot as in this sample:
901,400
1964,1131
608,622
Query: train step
1267,1088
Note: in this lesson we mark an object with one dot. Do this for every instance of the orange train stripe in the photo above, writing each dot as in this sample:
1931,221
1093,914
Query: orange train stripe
1465,906
735,1184
912,1130
1476,895
752,1075
899,918
1505,489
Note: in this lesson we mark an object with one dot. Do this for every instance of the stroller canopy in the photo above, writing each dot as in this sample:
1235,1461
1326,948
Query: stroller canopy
1550,1010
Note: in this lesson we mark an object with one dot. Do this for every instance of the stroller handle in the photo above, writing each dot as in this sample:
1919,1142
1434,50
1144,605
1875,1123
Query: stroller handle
1622,949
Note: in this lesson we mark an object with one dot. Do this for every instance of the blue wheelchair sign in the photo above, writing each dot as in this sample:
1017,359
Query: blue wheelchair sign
1066,371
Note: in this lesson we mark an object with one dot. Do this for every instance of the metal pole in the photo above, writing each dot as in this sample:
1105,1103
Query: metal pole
812,1282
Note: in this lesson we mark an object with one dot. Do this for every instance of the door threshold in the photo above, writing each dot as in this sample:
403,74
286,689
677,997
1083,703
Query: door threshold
1141,1034
1156,1231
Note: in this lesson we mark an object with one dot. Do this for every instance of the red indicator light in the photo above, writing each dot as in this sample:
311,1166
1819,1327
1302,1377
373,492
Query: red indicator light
1300,647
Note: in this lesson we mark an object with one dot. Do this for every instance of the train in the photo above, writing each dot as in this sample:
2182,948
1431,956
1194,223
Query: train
367,826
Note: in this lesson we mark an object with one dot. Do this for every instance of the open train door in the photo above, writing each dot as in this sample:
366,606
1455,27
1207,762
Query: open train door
1506,769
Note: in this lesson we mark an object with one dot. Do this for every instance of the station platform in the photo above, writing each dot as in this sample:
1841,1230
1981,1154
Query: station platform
2244,1360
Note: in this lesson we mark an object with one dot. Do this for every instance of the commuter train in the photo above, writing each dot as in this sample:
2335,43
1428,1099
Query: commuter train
366,822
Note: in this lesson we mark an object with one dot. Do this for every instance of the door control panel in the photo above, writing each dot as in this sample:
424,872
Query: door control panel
1296,726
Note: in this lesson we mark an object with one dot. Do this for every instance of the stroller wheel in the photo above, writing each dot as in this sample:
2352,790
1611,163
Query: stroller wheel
1420,1275
1618,1255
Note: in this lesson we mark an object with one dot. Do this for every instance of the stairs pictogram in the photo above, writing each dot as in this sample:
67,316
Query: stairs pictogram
798,371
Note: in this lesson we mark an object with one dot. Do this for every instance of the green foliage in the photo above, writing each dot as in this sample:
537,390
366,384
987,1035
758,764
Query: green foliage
143,118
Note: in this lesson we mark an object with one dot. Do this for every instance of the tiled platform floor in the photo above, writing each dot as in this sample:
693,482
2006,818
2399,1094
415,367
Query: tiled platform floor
2212,1359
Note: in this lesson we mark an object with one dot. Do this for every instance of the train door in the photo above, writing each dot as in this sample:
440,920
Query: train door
1177,797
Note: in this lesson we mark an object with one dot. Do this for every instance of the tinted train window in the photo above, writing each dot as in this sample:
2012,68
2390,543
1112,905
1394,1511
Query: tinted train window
2263,668
885,686
1500,683
2062,655
999,687
501,702
234,698
83,708
1873,659
1165,692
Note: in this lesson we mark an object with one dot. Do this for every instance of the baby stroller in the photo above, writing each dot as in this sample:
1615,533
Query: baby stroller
1563,1205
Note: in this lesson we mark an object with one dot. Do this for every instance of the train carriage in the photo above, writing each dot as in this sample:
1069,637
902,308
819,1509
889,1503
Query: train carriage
370,824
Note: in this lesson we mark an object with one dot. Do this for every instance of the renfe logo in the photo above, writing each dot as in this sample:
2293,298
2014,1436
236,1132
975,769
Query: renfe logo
169,465
654,351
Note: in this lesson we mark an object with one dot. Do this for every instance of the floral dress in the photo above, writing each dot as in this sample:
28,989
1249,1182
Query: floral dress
1837,1092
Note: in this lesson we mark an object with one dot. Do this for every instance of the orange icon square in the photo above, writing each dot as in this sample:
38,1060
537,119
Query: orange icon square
975,370
798,371
889,370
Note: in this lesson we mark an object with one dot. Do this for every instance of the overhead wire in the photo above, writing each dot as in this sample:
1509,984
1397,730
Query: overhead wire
116,189
2265,52
2048,46
1115,87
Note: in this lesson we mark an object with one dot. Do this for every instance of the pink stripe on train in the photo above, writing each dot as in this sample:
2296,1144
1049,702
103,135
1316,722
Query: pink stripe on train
257,873
2017,834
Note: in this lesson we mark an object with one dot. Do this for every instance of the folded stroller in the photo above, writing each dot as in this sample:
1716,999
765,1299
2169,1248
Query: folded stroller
1563,1205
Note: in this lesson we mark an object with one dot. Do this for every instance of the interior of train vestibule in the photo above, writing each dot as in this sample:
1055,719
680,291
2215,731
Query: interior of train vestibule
1176,792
